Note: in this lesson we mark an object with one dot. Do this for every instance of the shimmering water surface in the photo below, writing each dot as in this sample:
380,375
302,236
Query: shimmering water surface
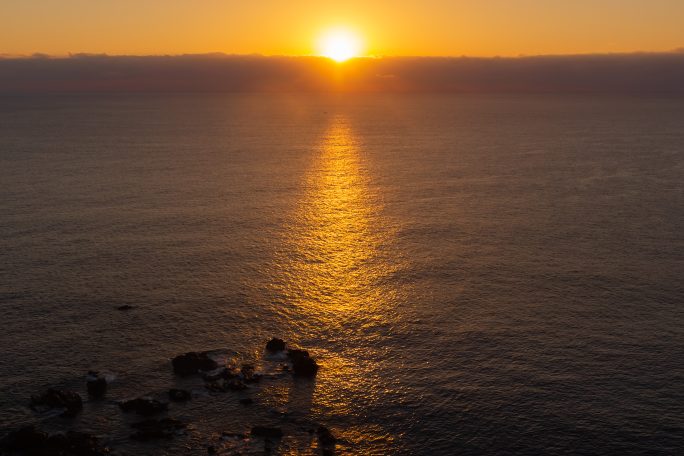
475,275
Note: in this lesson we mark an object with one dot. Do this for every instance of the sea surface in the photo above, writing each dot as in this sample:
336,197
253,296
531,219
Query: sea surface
474,274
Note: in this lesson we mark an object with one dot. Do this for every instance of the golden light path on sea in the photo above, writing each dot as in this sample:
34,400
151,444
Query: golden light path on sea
331,280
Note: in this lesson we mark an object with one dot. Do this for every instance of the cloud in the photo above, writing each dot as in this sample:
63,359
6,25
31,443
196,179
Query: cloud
612,73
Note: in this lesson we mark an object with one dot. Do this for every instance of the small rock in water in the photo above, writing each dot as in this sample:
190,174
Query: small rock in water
54,398
96,384
275,345
192,363
248,375
267,432
303,365
125,307
216,374
179,395
246,401
165,428
325,437
144,406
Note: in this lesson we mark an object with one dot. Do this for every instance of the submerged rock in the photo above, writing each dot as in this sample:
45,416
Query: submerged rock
192,363
267,432
221,386
248,375
32,441
179,395
246,401
53,398
144,406
303,365
325,438
217,374
275,345
96,384
125,307
165,428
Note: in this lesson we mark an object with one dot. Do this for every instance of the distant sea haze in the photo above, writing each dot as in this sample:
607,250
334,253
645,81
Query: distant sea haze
638,73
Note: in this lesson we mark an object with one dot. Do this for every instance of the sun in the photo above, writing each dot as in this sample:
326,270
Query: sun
339,44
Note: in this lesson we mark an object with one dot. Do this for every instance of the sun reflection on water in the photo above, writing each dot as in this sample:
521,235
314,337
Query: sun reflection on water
335,263
332,282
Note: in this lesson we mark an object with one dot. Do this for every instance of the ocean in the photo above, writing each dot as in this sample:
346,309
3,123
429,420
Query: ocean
474,274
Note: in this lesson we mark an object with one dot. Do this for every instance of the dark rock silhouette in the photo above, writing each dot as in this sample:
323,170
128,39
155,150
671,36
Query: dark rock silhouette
96,384
275,345
232,384
192,363
54,398
143,406
125,307
34,442
218,374
326,439
303,365
248,375
165,428
246,401
179,395
267,432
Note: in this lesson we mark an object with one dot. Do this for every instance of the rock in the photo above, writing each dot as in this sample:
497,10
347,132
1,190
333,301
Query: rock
31,441
248,375
193,362
125,307
97,385
303,365
144,406
267,432
179,395
221,386
165,428
246,401
211,449
275,345
54,398
325,438
218,374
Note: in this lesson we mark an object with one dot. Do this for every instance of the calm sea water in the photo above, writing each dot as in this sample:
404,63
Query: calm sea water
475,275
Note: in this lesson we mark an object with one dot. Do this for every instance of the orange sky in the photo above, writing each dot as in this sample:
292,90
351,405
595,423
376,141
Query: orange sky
399,27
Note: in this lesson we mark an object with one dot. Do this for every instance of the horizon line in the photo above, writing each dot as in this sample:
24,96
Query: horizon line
40,55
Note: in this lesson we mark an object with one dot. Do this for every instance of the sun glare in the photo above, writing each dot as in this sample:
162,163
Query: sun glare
339,45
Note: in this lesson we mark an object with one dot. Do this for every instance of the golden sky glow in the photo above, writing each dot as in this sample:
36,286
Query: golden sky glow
399,27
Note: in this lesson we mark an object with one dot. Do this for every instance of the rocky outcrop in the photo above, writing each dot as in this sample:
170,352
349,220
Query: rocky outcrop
55,399
192,363
96,385
326,440
303,365
275,345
